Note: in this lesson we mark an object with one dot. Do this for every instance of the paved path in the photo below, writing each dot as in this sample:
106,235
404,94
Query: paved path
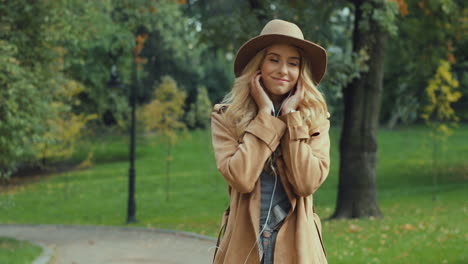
115,245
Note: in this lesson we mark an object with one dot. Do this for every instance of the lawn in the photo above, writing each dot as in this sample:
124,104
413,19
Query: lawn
17,252
414,228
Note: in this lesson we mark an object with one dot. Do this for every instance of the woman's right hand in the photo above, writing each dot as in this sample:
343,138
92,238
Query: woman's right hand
259,95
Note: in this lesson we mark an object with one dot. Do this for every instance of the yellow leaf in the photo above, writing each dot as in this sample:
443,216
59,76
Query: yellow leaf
352,228
408,227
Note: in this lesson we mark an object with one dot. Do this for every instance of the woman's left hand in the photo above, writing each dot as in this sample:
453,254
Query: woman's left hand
292,103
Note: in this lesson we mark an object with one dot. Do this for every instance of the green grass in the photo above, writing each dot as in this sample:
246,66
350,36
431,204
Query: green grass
414,228
17,252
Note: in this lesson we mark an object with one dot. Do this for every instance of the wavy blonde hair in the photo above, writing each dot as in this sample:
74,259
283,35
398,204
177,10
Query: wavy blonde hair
243,109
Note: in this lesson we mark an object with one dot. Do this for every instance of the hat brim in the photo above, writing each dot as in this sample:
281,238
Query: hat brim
313,52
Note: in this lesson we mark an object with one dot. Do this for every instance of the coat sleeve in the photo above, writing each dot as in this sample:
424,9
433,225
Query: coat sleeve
242,162
306,154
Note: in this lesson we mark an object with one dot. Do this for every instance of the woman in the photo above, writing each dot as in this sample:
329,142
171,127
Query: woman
271,144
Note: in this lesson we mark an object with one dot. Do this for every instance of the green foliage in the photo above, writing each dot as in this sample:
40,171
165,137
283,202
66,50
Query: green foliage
48,45
414,54
382,12
442,93
89,58
344,66
27,26
237,21
217,74
33,71
172,47
63,126
164,113
439,114
22,110
91,37
199,112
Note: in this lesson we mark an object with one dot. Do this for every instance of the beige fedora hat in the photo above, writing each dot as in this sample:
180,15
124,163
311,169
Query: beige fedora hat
280,31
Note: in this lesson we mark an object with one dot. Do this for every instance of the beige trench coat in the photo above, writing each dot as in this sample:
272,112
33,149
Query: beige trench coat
303,167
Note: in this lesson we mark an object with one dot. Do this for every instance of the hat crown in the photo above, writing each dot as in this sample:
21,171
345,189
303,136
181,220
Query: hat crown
281,27
280,31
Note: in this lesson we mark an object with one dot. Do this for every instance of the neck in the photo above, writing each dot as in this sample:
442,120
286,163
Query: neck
276,99
277,106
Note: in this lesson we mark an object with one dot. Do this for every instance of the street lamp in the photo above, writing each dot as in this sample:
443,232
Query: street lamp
131,205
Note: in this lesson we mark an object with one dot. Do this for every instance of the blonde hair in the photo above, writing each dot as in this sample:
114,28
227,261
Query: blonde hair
243,109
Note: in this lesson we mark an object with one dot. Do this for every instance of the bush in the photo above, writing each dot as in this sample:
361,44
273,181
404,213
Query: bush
23,107
198,115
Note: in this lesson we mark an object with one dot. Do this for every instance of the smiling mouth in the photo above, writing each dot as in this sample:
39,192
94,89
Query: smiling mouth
280,80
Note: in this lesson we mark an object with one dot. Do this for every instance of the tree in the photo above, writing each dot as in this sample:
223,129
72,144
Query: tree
439,113
31,70
109,28
415,55
163,115
199,111
373,21
63,126
22,109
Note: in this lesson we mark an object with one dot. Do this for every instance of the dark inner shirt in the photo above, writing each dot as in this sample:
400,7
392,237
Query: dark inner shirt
267,183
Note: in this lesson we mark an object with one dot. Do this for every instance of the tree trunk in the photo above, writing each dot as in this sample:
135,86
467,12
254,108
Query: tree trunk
357,196
393,120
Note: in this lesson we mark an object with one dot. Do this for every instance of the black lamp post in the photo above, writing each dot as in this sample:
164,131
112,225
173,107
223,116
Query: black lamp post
115,82
131,206
137,61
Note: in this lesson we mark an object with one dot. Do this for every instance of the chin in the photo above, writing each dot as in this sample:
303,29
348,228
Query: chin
277,90
280,92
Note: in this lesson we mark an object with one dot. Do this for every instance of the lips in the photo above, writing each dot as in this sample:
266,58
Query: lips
280,80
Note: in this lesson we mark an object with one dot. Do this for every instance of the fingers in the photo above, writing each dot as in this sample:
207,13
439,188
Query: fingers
259,95
300,89
293,102
300,92
255,82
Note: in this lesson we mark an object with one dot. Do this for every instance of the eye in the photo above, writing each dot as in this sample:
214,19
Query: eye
293,64
274,60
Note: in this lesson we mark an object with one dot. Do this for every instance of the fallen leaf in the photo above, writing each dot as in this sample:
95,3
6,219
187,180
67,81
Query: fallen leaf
354,228
408,227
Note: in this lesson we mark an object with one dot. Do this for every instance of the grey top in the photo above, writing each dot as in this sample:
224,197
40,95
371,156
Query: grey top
281,204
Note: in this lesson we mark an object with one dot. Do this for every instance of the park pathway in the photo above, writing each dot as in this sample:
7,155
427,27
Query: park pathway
115,245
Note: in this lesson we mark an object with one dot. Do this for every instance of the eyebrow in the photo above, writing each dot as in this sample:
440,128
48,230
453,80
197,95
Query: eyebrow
272,53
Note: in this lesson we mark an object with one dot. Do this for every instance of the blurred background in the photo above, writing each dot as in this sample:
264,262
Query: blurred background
73,74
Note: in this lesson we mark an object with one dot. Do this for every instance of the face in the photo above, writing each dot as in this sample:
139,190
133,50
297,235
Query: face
280,69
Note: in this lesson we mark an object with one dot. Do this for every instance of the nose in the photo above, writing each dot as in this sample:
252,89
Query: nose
283,69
